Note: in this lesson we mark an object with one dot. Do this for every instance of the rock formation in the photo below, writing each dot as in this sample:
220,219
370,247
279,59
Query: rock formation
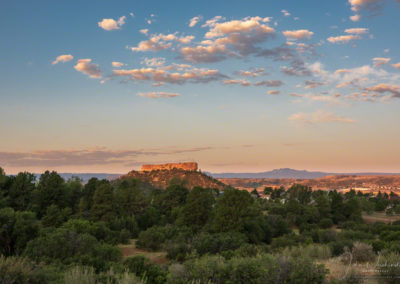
190,166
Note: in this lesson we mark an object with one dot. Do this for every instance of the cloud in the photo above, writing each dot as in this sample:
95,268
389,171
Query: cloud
252,73
296,68
318,117
155,95
358,5
298,34
236,38
285,13
132,14
161,74
357,31
396,65
154,62
355,18
194,21
244,83
86,67
144,31
311,84
117,64
63,58
385,88
273,92
111,24
87,157
343,38
379,61
271,83
159,42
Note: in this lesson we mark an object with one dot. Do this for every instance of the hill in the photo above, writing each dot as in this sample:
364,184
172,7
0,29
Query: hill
162,178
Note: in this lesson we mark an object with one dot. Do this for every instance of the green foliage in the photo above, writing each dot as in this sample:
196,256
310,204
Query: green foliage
197,210
15,270
16,230
143,267
232,209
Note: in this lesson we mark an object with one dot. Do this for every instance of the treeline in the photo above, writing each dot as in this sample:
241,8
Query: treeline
57,231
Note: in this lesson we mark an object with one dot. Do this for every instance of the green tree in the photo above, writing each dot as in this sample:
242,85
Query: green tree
20,195
197,210
232,209
103,207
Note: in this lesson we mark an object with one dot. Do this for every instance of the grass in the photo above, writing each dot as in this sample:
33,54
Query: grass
130,249
379,217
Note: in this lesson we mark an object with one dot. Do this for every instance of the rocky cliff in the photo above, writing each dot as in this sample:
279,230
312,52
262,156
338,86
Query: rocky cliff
190,166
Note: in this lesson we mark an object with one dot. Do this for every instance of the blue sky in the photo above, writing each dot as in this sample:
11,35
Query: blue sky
248,86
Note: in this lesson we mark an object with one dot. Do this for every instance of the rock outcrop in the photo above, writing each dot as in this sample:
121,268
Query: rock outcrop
160,176
190,166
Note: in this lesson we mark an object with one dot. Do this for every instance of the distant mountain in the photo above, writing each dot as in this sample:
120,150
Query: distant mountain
289,173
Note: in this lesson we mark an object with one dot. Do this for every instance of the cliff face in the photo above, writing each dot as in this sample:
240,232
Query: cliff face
191,166
162,178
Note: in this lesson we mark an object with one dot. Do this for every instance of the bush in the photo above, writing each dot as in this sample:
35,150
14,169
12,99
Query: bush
362,252
14,270
325,223
143,267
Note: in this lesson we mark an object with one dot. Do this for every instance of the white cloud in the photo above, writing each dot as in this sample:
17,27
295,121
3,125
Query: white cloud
285,13
86,67
244,83
63,58
111,24
154,62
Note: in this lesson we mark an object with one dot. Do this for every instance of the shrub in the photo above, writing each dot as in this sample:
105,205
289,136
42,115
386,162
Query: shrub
362,252
15,270
325,223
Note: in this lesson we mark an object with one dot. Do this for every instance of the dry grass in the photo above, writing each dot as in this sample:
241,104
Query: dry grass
379,217
130,249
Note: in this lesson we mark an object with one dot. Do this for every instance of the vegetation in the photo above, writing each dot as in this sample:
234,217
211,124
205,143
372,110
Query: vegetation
57,231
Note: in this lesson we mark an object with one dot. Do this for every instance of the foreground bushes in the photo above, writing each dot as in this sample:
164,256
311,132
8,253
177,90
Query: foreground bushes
262,269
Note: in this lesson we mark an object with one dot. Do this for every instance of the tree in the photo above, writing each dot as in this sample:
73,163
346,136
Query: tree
231,210
197,210
20,195
130,199
103,207
16,229
50,190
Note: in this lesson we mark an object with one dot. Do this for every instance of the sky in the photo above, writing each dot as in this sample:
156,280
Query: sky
238,86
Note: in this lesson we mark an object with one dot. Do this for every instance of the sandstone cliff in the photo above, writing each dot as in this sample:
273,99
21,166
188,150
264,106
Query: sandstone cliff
190,166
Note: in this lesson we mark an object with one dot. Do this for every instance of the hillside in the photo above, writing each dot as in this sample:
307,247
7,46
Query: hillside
162,178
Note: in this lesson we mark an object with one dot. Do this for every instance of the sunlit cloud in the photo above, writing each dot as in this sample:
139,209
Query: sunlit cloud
285,13
273,92
117,64
161,74
156,95
379,61
298,34
63,58
244,83
194,21
111,24
86,67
